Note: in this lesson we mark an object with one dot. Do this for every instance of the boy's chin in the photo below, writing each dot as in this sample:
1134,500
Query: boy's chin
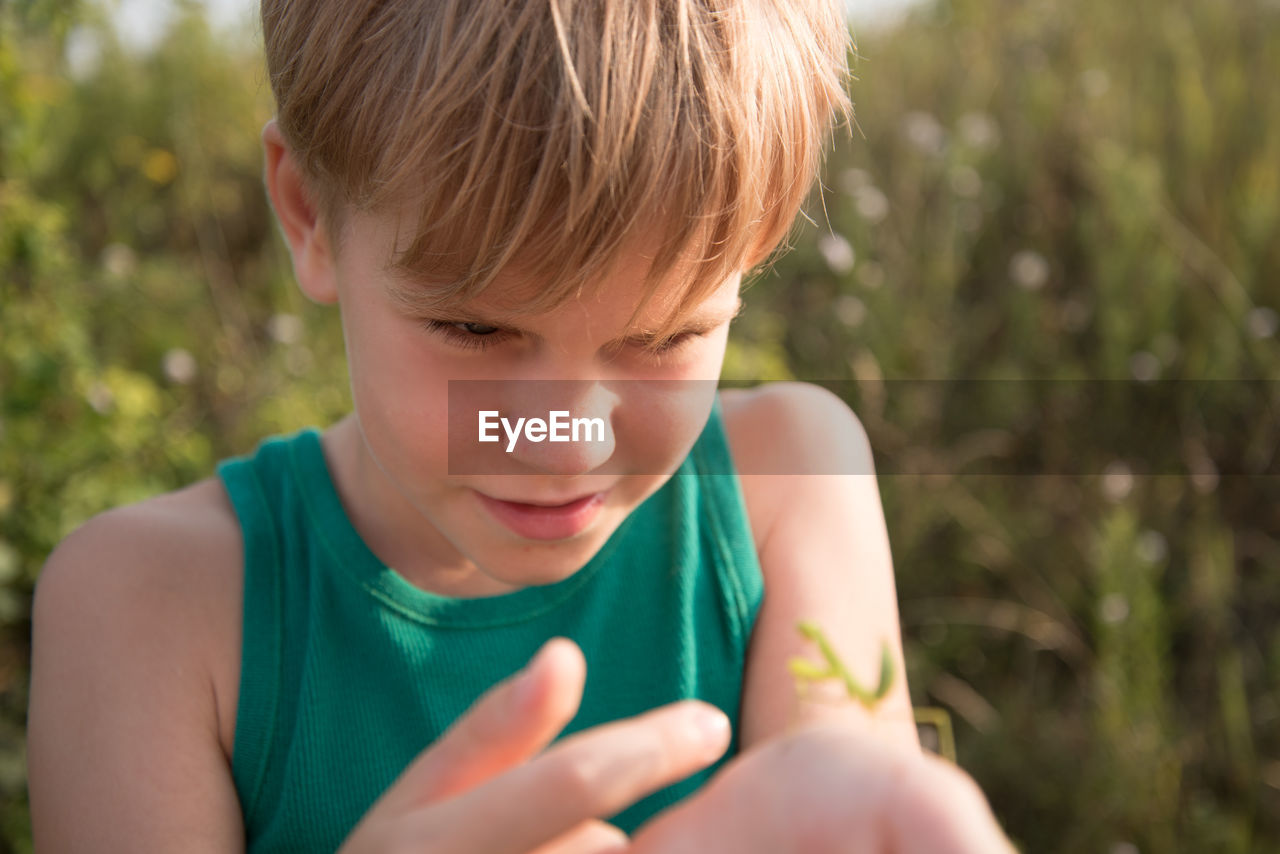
534,563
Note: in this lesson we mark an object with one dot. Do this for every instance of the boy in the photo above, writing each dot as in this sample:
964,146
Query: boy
516,192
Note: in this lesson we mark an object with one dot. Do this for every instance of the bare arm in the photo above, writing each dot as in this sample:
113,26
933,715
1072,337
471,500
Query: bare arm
123,746
832,775
825,558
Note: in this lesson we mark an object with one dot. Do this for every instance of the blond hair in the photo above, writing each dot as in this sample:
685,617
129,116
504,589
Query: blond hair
549,136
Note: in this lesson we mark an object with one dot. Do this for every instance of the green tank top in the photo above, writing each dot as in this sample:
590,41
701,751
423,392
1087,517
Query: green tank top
349,671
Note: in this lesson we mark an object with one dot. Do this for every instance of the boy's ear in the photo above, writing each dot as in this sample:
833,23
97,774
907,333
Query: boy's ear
313,257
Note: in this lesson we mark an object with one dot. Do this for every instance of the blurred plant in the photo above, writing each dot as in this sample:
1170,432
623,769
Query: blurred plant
1063,244
138,286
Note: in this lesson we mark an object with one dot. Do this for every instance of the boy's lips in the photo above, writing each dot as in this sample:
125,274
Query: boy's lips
544,521
548,503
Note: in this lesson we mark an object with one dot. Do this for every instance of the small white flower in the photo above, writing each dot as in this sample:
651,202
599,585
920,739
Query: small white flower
1117,480
1144,366
100,397
284,328
1113,608
837,252
924,132
119,260
978,130
1262,322
1204,471
83,53
1029,270
1095,82
1152,547
871,204
1204,477
853,180
850,310
180,366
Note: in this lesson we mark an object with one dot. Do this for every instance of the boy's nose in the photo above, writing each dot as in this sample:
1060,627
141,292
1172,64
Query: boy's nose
579,436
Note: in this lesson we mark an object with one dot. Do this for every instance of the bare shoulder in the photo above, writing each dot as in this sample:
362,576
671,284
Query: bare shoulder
778,431
176,558
135,661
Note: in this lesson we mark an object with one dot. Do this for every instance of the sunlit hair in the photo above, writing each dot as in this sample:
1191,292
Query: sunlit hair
553,136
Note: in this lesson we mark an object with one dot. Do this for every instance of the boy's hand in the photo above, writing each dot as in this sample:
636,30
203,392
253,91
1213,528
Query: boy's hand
830,788
483,786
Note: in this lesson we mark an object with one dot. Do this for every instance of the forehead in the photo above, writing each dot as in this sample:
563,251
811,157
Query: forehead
617,297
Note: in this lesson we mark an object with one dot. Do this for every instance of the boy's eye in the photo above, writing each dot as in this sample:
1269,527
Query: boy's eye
475,328
476,336
674,343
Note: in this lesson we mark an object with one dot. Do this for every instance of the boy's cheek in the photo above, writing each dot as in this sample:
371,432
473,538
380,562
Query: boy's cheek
407,436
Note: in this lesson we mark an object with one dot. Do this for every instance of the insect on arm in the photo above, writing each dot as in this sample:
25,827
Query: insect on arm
933,723
806,671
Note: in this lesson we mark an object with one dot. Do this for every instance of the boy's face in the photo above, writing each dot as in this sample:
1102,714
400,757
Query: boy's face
453,533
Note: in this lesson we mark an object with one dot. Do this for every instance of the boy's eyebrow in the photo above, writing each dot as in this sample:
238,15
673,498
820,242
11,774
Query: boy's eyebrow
698,324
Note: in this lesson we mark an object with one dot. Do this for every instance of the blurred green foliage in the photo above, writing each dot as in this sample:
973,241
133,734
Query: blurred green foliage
1037,189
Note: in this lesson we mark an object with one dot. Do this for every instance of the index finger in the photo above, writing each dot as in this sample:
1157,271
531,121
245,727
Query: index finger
591,774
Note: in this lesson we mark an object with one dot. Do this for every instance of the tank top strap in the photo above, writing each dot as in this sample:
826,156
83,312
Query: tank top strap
254,485
727,523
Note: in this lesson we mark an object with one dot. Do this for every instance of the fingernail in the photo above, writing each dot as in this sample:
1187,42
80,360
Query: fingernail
710,729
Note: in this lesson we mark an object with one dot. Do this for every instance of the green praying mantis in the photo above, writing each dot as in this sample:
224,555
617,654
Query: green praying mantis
806,671
933,724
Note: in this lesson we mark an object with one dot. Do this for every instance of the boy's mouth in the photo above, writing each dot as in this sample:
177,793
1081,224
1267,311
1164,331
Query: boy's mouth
545,521
546,504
